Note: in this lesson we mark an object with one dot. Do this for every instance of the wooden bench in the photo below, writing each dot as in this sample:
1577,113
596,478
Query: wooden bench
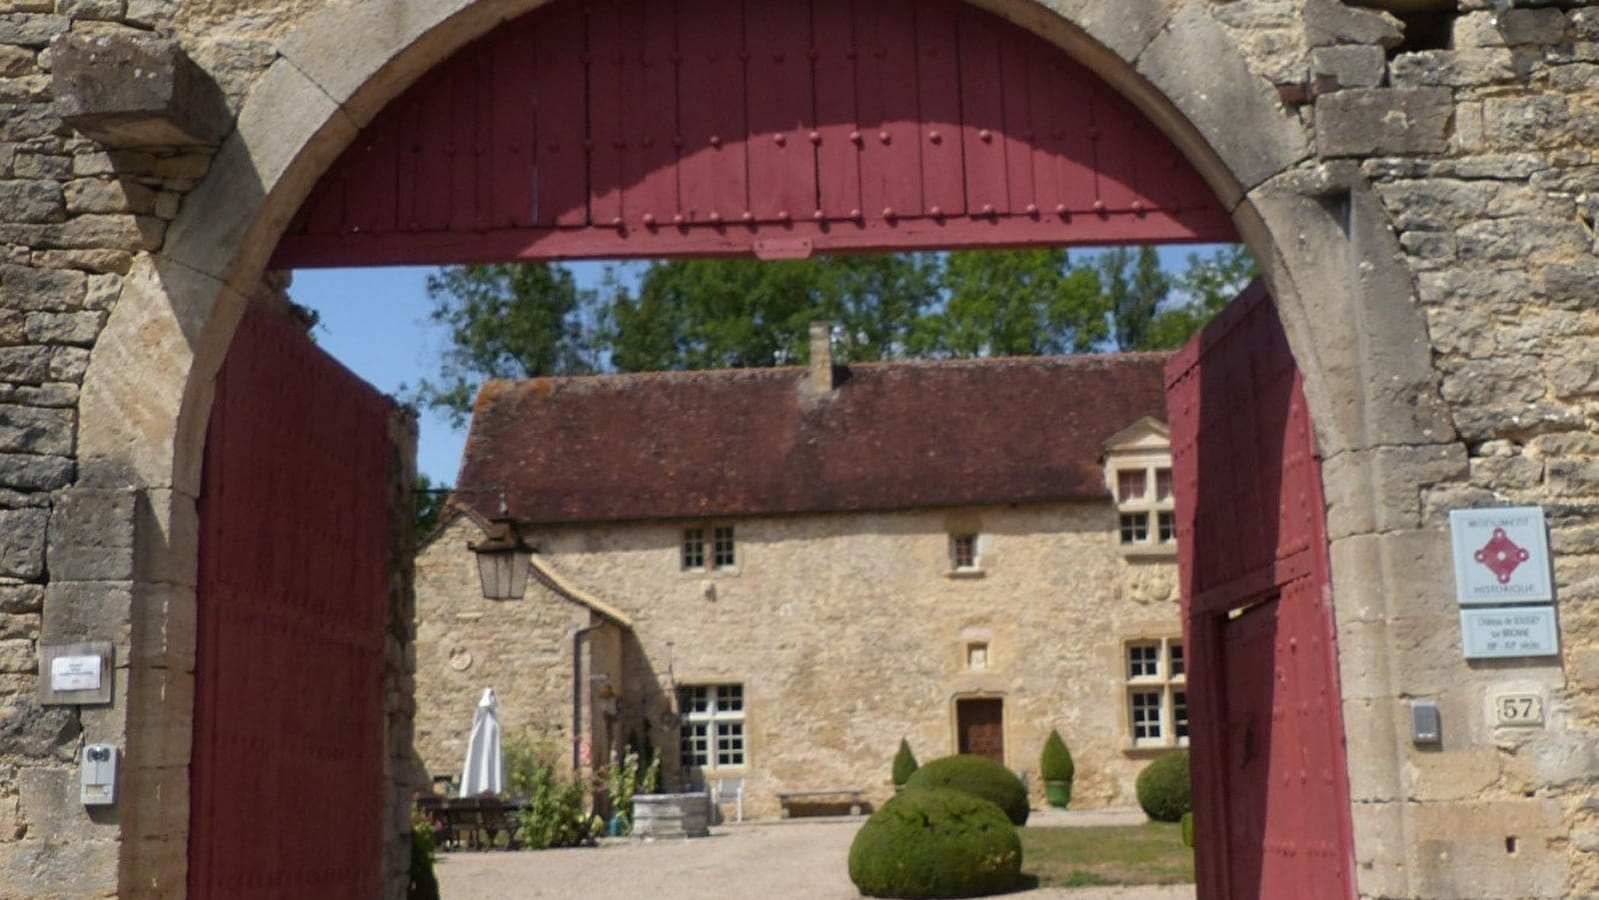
785,798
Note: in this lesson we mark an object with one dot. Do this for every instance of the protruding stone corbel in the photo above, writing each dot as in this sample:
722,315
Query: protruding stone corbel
130,88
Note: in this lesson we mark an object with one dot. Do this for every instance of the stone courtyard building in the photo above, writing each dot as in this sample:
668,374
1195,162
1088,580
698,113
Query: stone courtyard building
773,575
1415,177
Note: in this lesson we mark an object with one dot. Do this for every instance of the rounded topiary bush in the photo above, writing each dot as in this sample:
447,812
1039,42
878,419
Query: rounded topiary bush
979,776
936,842
1163,788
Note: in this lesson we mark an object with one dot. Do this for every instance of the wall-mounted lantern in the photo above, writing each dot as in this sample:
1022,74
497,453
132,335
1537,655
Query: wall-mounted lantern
502,560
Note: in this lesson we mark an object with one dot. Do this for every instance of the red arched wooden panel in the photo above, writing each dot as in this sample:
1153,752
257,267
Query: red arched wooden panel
614,128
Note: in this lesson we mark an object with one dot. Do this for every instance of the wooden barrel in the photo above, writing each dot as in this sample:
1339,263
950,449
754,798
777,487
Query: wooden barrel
671,815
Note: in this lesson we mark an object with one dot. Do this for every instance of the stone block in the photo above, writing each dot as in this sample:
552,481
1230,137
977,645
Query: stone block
31,201
1380,489
49,802
164,626
1329,22
38,288
68,363
1436,204
130,88
34,732
1452,68
1383,121
1353,66
77,328
157,801
83,867
1525,121
94,10
164,741
16,599
1465,773
1125,27
95,195
1199,67
1531,26
1524,239
1373,772
89,611
24,365
1374,575
22,542
16,61
31,29
18,655
167,537
32,472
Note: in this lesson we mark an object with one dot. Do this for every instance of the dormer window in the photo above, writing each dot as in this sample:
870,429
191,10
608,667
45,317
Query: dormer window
1139,475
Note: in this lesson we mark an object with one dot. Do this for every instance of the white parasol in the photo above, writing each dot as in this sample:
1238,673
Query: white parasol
484,772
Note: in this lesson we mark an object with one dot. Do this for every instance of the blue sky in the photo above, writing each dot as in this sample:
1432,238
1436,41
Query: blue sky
375,322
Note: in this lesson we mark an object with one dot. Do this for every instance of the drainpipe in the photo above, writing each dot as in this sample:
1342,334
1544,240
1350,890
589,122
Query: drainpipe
578,638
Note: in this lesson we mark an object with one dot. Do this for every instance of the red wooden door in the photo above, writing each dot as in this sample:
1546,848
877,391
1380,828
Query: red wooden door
287,771
1271,794
981,727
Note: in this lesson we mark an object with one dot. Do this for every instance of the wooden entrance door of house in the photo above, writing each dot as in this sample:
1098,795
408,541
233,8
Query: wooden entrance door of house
980,727
1271,794
289,747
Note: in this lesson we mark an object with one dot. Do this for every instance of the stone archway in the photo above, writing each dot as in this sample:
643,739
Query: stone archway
1329,258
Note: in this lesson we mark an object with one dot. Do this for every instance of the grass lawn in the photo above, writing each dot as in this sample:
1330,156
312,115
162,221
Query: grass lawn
1152,853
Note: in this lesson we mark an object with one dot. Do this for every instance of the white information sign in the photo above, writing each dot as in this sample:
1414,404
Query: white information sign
75,673
1501,555
1509,631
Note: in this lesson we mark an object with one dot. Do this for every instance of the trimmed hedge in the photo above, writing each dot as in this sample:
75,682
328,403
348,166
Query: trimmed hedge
1055,762
1163,788
979,776
904,763
936,842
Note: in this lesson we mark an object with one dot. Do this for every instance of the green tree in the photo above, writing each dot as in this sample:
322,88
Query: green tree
1014,303
508,320
1134,286
1207,284
527,320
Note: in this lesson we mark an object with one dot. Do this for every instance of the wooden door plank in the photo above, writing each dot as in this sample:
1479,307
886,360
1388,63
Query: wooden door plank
511,151
1018,56
1063,155
606,140
1115,152
710,78
886,106
838,163
649,117
939,150
782,163
561,164
983,99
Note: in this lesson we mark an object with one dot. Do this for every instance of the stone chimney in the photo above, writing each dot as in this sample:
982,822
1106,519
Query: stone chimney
821,380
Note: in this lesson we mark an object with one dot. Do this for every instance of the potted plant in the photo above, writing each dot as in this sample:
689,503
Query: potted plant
904,765
1055,765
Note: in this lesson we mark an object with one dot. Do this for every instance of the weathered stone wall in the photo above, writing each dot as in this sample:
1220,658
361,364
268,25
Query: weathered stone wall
1427,230
847,632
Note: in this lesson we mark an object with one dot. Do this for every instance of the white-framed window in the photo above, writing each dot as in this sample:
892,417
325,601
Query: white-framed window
1146,513
708,547
712,726
1157,692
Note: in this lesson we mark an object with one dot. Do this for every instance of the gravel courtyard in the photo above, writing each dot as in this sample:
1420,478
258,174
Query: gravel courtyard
791,860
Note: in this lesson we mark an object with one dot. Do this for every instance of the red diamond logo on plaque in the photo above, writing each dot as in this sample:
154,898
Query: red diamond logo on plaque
1501,555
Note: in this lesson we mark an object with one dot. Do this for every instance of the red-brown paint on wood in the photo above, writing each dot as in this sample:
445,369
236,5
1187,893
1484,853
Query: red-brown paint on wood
637,128
983,130
1271,794
291,626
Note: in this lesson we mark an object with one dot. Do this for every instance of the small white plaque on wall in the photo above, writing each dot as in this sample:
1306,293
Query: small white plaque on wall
1501,555
1509,631
78,674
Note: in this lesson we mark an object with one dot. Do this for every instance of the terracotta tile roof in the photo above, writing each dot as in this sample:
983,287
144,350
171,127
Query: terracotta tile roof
759,441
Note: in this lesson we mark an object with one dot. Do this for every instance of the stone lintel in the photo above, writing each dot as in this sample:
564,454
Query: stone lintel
136,89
